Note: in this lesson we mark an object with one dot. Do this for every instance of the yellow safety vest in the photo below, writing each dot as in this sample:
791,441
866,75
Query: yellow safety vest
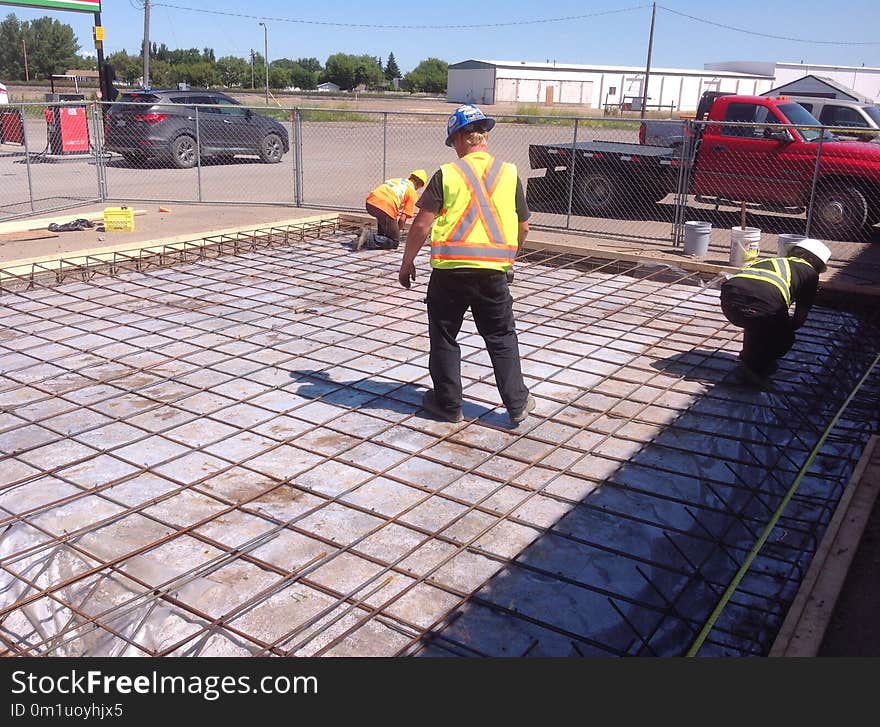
478,225
779,276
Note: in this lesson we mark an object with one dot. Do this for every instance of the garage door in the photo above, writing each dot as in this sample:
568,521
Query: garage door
576,92
528,91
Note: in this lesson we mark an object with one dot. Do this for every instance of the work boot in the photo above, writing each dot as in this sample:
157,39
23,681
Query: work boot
362,238
517,417
381,242
429,404
749,376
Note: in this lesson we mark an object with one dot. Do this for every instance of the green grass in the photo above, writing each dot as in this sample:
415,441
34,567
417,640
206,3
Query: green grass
330,115
553,116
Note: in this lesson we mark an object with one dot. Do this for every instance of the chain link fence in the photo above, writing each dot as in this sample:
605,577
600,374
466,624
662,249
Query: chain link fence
620,179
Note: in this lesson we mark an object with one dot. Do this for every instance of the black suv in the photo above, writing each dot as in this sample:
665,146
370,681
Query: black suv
145,125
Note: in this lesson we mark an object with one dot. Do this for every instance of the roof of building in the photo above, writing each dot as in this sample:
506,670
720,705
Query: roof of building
830,82
529,65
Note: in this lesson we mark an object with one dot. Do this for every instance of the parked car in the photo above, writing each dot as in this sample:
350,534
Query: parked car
844,115
156,124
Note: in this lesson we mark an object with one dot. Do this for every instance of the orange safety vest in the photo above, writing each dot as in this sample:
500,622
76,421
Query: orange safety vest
395,197
478,226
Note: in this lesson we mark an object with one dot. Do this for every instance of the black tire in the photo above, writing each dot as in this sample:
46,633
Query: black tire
183,152
840,212
596,191
271,149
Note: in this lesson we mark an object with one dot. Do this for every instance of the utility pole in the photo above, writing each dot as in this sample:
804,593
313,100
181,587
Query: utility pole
648,64
252,69
146,50
24,49
266,57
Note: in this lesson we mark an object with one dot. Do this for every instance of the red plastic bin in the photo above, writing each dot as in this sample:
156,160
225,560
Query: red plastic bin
11,128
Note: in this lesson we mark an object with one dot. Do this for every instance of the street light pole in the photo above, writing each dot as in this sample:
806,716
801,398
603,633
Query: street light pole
266,56
27,76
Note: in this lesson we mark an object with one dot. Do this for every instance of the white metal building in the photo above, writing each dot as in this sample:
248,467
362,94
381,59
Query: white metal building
862,79
592,86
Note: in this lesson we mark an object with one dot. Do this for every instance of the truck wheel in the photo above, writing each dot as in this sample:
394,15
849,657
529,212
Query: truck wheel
183,152
596,191
271,149
840,212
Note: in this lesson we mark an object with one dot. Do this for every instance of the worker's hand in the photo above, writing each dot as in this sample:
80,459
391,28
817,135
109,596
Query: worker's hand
407,273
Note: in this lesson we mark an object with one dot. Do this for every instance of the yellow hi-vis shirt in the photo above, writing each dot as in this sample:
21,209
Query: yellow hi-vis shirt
775,271
478,225
395,197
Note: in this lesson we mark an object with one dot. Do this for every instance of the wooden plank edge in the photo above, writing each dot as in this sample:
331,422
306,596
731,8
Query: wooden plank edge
808,617
17,268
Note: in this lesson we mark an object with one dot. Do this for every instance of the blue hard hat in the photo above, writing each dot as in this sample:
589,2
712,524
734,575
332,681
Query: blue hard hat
464,116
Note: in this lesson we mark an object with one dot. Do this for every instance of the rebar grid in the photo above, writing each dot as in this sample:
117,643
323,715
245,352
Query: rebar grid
199,371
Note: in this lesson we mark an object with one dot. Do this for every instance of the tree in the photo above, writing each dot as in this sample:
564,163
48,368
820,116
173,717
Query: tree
391,69
51,46
348,71
233,72
428,77
11,52
313,65
279,76
128,68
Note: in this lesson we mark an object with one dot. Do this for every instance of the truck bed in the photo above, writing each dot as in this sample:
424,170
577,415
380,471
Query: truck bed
549,156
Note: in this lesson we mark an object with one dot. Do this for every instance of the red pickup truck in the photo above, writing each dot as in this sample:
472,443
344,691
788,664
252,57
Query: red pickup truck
727,161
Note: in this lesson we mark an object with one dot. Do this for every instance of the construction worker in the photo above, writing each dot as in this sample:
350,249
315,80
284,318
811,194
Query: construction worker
476,214
391,203
757,300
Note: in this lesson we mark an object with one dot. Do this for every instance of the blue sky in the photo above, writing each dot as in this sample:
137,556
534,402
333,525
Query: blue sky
614,39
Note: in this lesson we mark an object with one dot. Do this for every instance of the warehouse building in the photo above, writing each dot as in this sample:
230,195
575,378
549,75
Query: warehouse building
864,80
592,86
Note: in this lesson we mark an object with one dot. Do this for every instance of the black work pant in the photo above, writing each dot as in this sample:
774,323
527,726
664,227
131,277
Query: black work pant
450,294
385,223
767,337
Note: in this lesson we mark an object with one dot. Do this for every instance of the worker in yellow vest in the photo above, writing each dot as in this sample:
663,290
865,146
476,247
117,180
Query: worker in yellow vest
392,203
757,300
475,211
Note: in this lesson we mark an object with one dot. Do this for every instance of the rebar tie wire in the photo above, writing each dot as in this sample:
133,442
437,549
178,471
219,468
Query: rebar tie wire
759,543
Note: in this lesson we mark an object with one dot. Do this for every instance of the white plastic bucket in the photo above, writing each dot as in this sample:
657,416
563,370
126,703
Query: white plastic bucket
785,242
745,244
696,238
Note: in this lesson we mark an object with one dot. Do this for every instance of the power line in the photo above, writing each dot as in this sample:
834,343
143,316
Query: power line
766,35
385,26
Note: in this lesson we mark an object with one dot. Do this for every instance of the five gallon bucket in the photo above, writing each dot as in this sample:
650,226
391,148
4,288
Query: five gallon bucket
696,238
785,242
745,242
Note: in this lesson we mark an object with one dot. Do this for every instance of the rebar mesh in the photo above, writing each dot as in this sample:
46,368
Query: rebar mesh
227,456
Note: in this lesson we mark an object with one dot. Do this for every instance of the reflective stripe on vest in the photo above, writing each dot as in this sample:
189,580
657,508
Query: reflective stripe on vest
780,276
389,195
479,230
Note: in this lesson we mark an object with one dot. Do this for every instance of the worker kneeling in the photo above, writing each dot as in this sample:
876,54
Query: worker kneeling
757,299
391,203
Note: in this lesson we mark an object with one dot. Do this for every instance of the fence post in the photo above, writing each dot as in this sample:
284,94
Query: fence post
384,146
27,156
298,156
571,166
815,182
684,176
199,153
97,117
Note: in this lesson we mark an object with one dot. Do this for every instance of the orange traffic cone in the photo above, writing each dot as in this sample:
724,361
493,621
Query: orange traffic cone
164,209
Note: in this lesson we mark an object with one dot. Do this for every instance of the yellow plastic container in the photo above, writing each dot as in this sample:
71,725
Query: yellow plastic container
119,219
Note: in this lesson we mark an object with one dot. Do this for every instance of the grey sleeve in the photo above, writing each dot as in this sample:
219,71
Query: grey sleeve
522,207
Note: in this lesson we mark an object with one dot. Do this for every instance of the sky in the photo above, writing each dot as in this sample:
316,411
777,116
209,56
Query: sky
615,33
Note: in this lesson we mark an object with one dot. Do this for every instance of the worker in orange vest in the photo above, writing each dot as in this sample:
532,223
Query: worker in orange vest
391,203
